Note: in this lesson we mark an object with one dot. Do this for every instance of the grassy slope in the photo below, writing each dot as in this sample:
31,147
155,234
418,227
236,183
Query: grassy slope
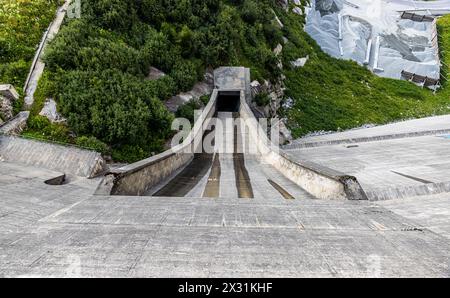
331,94
22,23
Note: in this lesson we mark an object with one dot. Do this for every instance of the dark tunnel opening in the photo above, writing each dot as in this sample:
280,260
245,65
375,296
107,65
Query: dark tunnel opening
228,102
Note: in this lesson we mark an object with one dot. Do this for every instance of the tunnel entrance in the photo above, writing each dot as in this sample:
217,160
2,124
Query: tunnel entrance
229,102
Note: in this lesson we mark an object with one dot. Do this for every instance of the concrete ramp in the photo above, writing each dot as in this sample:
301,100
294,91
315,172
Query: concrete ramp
69,160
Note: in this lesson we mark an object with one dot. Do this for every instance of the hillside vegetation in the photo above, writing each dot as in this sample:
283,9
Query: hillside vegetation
97,65
22,23
97,68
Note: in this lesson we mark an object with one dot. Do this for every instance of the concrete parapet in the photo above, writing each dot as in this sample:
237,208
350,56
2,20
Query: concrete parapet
368,139
69,160
37,66
408,191
16,124
319,181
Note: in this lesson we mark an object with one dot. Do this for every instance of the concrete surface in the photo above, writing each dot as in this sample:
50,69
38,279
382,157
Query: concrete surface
432,211
8,91
38,65
424,126
69,160
16,124
402,165
244,216
64,231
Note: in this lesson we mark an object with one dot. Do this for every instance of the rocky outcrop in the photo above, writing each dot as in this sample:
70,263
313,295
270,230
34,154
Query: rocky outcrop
296,3
155,74
300,62
275,93
6,108
8,95
200,89
50,111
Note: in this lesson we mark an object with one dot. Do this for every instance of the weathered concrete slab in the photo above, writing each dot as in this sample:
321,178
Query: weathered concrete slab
432,212
382,165
230,78
411,128
69,160
8,91
16,124
64,231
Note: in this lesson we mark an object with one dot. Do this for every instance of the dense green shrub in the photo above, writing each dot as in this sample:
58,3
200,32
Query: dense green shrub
185,74
262,99
187,110
15,72
98,63
93,144
133,153
22,24
112,106
40,127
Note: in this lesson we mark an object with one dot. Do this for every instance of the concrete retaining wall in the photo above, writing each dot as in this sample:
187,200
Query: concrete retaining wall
408,191
136,179
15,125
37,67
368,139
319,181
68,160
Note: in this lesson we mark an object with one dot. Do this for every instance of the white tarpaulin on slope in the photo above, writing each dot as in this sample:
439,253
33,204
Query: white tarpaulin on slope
371,32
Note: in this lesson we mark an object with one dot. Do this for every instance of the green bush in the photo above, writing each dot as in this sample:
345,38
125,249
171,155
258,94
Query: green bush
38,123
40,127
187,110
134,153
14,73
262,99
22,24
185,74
93,144
205,99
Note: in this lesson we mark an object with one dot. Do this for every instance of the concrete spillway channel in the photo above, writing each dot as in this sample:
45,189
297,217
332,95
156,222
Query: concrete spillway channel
227,154
202,176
